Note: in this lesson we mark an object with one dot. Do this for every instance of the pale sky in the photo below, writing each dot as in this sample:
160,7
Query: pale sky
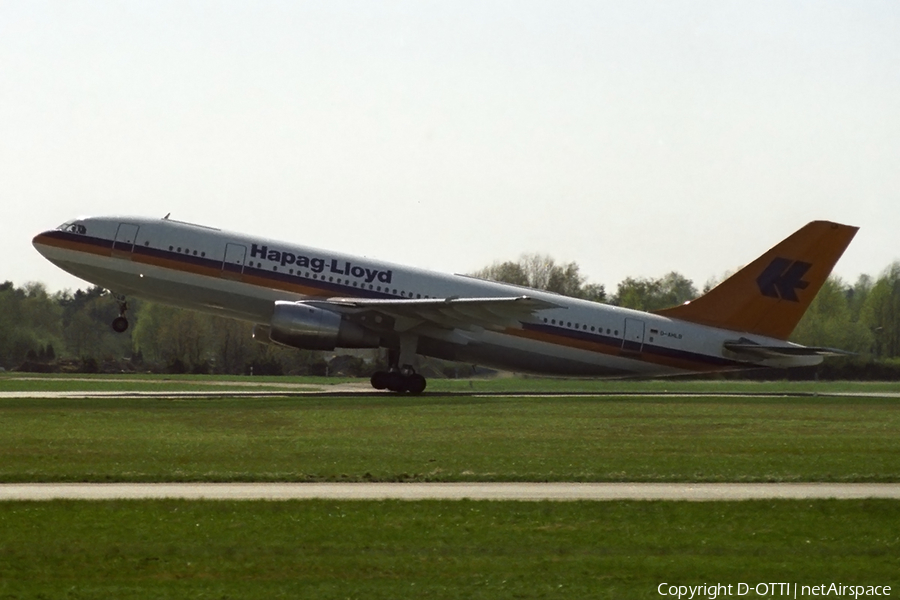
634,138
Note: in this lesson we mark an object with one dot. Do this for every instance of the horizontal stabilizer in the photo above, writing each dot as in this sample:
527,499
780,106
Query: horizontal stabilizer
760,351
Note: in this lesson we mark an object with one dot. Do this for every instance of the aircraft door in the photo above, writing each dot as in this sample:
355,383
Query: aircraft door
233,265
633,340
125,238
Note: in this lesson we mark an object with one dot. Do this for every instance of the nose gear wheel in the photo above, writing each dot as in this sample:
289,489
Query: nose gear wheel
120,323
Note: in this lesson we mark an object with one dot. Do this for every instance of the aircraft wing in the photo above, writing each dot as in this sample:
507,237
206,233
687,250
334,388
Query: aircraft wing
760,351
450,313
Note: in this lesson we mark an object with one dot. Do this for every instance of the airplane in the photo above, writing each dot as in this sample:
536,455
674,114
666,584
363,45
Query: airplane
316,299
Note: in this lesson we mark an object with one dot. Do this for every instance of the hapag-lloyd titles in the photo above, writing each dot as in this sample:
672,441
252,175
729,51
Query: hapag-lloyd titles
318,265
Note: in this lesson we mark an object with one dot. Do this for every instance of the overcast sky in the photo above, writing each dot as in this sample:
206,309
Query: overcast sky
634,138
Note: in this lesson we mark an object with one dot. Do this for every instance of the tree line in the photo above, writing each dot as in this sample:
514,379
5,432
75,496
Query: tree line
70,331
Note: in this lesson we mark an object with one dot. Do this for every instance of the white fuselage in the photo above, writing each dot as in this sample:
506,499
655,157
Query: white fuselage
240,276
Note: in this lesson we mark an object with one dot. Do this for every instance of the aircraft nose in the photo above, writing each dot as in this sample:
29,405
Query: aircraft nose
40,242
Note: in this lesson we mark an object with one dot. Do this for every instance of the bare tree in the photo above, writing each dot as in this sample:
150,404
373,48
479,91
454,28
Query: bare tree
540,271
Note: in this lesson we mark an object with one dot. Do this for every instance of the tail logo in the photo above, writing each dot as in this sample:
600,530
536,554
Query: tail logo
782,278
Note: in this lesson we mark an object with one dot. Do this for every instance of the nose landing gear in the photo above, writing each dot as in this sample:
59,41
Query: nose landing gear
120,323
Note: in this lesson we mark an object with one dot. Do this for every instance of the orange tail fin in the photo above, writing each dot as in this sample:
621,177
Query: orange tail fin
769,296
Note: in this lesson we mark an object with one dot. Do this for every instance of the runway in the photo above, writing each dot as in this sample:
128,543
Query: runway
144,388
359,390
693,492
269,389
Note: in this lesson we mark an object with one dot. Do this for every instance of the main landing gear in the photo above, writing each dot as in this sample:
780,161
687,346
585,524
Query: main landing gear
399,378
120,323
396,380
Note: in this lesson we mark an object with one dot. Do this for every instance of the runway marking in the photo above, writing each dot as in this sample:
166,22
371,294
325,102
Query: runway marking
694,492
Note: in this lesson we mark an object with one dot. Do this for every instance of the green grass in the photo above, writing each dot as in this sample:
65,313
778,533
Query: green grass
466,550
384,437
444,549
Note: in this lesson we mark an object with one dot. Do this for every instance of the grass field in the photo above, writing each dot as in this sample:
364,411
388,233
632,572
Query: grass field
466,550
461,431
452,436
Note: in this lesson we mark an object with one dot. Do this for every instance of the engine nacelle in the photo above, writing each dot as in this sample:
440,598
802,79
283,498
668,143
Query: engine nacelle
308,327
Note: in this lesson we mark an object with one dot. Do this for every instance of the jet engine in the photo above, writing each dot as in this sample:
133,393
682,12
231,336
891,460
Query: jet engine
308,327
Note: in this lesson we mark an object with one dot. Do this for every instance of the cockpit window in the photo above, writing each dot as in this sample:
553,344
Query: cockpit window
73,227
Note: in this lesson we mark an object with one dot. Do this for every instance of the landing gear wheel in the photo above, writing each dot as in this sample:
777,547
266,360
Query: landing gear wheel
120,324
415,384
379,380
401,376
397,382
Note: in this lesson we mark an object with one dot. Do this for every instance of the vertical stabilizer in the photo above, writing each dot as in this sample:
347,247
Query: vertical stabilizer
769,296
